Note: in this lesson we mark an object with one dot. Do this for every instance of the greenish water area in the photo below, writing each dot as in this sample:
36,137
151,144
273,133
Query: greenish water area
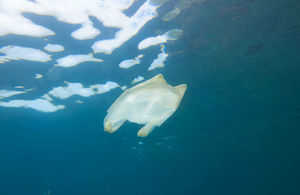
235,132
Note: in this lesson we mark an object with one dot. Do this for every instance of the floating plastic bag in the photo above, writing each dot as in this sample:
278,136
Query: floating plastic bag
150,103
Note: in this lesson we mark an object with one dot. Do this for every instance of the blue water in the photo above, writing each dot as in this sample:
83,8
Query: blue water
236,130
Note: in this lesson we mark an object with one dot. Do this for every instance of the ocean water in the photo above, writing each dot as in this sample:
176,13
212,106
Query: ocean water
236,130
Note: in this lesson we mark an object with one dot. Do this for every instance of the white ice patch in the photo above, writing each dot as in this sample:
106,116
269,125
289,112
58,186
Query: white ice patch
54,48
159,61
44,104
23,53
71,89
103,88
109,12
150,41
130,27
85,32
138,79
170,35
19,87
130,62
47,97
74,60
8,93
38,76
37,104
124,87
12,20
78,89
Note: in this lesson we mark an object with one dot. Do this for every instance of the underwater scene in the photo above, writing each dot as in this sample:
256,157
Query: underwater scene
149,97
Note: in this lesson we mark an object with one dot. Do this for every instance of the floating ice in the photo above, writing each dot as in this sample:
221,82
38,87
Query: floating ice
54,48
37,104
130,28
47,97
44,103
170,35
12,20
151,103
85,32
8,93
109,12
130,62
103,88
152,41
19,87
124,87
159,61
38,76
74,60
23,53
78,89
138,79
71,89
